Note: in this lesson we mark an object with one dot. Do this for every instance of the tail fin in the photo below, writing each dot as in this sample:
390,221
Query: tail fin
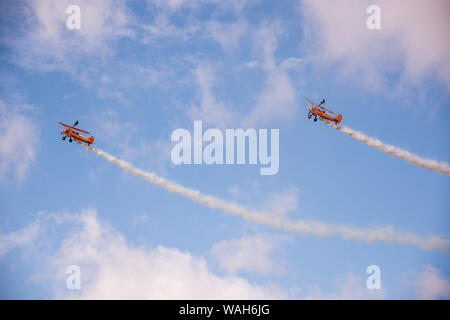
339,118
91,139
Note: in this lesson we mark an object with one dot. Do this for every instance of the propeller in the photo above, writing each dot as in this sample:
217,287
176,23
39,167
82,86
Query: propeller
75,124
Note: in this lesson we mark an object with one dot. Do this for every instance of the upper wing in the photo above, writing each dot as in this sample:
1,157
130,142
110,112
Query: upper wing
320,106
73,127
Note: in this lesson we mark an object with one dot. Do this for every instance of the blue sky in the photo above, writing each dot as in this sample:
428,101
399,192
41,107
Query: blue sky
137,70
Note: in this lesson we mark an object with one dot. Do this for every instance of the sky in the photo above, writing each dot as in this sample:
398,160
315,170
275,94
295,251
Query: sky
135,71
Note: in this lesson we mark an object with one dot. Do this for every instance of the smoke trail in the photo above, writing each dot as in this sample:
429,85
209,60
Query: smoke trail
300,227
433,165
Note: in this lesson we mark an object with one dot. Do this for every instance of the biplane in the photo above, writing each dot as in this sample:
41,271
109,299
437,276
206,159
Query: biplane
72,132
318,110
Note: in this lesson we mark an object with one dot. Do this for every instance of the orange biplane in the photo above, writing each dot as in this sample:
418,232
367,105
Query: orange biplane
72,133
319,110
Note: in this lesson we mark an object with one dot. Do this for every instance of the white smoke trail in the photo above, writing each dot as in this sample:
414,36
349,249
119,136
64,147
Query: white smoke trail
433,165
300,227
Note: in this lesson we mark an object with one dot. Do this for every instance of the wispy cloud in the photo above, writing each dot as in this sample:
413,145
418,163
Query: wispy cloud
209,109
19,142
44,43
228,35
411,45
20,238
276,101
281,203
430,284
254,254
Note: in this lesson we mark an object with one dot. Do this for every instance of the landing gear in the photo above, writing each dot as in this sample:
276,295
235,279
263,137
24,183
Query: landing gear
70,140
315,119
64,138
309,115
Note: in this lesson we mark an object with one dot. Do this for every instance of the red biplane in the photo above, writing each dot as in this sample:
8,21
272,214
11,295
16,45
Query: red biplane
319,110
73,133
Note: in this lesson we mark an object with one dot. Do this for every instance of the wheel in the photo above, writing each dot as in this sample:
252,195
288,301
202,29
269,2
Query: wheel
315,119
309,116
64,138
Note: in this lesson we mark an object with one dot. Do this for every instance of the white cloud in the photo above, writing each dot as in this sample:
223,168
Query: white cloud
140,218
430,284
278,204
291,63
163,28
113,268
250,64
256,253
281,203
277,98
227,35
412,42
245,190
19,139
47,44
18,238
276,101
210,110
253,253
171,5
